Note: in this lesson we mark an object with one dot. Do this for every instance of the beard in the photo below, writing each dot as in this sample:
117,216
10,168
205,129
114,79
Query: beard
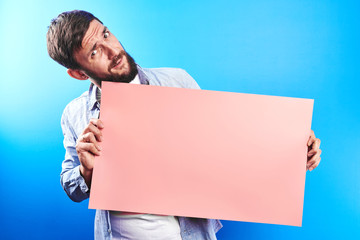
125,77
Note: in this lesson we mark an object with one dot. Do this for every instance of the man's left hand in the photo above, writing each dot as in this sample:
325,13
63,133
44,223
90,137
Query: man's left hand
314,151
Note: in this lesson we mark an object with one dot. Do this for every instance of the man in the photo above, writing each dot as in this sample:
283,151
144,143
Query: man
81,43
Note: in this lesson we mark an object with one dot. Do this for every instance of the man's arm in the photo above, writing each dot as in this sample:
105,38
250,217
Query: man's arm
87,147
76,173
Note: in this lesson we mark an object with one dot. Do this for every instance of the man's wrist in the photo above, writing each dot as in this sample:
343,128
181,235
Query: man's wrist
86,174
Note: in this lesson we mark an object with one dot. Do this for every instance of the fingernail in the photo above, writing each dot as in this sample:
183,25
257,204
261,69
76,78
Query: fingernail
100,138
98,146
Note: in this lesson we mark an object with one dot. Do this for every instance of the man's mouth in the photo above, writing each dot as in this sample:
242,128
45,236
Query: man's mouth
118,62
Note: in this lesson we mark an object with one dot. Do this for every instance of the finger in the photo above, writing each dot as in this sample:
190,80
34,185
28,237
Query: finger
87,147
313,151
315,165
311,138
80,139
97,122
315,161
90,138
317,155
316,144
315,158
96,131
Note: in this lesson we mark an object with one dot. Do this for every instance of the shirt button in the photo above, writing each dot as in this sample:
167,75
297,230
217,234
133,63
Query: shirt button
109,230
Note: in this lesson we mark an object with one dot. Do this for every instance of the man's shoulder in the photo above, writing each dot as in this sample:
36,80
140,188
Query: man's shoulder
77,105
164,70
172,77
164,73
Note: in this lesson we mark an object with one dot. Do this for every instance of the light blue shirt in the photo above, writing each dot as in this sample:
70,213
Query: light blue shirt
76,117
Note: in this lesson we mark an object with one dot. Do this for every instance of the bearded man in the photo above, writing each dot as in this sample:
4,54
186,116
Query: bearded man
80,42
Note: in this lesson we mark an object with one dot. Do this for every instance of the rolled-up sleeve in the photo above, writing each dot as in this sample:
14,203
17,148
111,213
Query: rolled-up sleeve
70,178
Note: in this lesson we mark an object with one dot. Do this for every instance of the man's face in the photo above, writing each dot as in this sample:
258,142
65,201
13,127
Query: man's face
103,58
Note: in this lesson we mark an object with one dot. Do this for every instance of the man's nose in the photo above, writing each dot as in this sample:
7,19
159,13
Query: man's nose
111,52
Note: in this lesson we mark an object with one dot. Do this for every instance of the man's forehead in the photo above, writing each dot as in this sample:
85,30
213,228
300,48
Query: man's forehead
94,28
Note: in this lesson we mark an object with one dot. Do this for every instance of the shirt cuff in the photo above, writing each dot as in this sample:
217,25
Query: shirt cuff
80,181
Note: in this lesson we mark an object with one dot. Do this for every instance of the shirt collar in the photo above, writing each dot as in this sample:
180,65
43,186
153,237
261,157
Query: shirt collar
95,92
136,80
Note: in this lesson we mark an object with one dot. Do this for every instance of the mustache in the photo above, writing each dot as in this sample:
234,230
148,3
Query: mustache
115,59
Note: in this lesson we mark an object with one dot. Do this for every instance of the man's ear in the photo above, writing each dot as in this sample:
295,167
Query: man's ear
78,74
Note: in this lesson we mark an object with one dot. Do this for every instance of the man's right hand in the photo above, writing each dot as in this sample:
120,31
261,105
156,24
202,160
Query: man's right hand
87,147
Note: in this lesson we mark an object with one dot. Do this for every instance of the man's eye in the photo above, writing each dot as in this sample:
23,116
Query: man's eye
106,35
93,53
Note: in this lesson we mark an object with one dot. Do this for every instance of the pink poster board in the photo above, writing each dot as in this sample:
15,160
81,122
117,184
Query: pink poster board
200,153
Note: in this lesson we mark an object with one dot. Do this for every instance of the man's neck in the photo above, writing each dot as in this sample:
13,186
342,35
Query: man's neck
98,83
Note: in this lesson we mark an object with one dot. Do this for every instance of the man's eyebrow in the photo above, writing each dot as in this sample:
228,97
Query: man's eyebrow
95,45
93,48
105,29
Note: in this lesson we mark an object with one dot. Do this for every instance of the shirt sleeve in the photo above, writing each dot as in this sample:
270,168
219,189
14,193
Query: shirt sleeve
70,178
189,81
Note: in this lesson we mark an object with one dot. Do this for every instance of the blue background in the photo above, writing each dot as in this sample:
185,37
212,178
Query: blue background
307,49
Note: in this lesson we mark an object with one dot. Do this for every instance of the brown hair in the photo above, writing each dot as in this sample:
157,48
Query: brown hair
65,35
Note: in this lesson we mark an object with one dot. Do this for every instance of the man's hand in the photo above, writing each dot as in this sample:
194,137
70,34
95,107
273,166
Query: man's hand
87,148
314,152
